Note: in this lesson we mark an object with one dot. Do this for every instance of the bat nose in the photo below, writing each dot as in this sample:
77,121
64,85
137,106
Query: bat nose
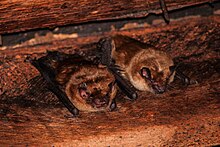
159,88
84,93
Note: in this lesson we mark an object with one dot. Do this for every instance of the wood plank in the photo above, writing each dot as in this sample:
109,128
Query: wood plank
151,35
182,116
21,15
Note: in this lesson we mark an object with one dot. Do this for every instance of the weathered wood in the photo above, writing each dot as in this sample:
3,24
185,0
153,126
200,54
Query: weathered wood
21,15
183,116
203,24
179,117
0,40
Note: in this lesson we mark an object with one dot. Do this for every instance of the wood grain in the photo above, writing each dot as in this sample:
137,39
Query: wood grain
22,15
182,116
0,40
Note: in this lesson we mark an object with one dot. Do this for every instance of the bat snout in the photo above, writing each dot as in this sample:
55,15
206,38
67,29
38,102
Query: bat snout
158,88
99,102
99,98
84,93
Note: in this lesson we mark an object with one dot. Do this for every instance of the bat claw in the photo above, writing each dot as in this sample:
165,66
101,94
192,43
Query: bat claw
74,112
134,96
192,82
113,105
186,81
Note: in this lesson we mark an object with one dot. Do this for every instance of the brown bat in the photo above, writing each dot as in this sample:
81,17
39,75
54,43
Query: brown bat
78,83
145,67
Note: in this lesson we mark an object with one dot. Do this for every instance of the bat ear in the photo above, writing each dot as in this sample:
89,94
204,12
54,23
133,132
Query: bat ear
145,72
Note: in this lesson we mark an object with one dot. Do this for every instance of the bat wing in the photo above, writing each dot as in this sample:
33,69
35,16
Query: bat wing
49,76
106,45
123,83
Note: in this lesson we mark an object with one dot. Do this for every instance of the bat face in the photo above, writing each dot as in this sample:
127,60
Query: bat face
91,88
153,74
156,80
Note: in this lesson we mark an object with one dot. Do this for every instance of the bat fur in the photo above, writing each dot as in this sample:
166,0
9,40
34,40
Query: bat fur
131,56
87,85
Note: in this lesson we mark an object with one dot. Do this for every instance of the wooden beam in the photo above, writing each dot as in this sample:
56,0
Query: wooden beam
22,15
39,44
182,116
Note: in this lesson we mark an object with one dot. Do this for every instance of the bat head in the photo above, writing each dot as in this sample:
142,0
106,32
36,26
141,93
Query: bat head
153,73
157,80
91,88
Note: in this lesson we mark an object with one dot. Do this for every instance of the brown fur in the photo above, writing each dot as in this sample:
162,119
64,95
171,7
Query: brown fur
96,78
132,55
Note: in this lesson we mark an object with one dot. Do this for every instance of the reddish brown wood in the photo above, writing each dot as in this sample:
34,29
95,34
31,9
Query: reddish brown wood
21,15
183,116
0,40
151,35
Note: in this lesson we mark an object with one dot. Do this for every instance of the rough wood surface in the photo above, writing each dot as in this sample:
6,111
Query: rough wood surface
0,40
21,15
183,116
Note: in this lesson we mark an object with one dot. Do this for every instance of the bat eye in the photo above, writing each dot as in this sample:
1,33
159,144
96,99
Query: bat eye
172,68
145,72
83,85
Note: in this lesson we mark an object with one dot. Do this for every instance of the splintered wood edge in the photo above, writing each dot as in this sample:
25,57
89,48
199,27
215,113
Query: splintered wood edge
21,15
79,42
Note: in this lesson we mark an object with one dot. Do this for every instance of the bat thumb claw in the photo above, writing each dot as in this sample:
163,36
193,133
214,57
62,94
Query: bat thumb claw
134,96
75,113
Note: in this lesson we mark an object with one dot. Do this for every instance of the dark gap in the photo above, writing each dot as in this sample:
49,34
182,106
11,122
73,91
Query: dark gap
99,27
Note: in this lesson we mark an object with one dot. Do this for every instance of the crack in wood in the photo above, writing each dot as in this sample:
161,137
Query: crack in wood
21,15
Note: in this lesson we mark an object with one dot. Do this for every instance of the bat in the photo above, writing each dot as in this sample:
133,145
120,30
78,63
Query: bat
140,64
80,84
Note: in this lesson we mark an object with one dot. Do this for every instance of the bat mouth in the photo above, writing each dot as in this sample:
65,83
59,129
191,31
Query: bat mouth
158,89
96,98
156,86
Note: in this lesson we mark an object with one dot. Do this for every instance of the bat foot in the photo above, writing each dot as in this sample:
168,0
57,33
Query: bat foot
181,76
186,80
193,82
